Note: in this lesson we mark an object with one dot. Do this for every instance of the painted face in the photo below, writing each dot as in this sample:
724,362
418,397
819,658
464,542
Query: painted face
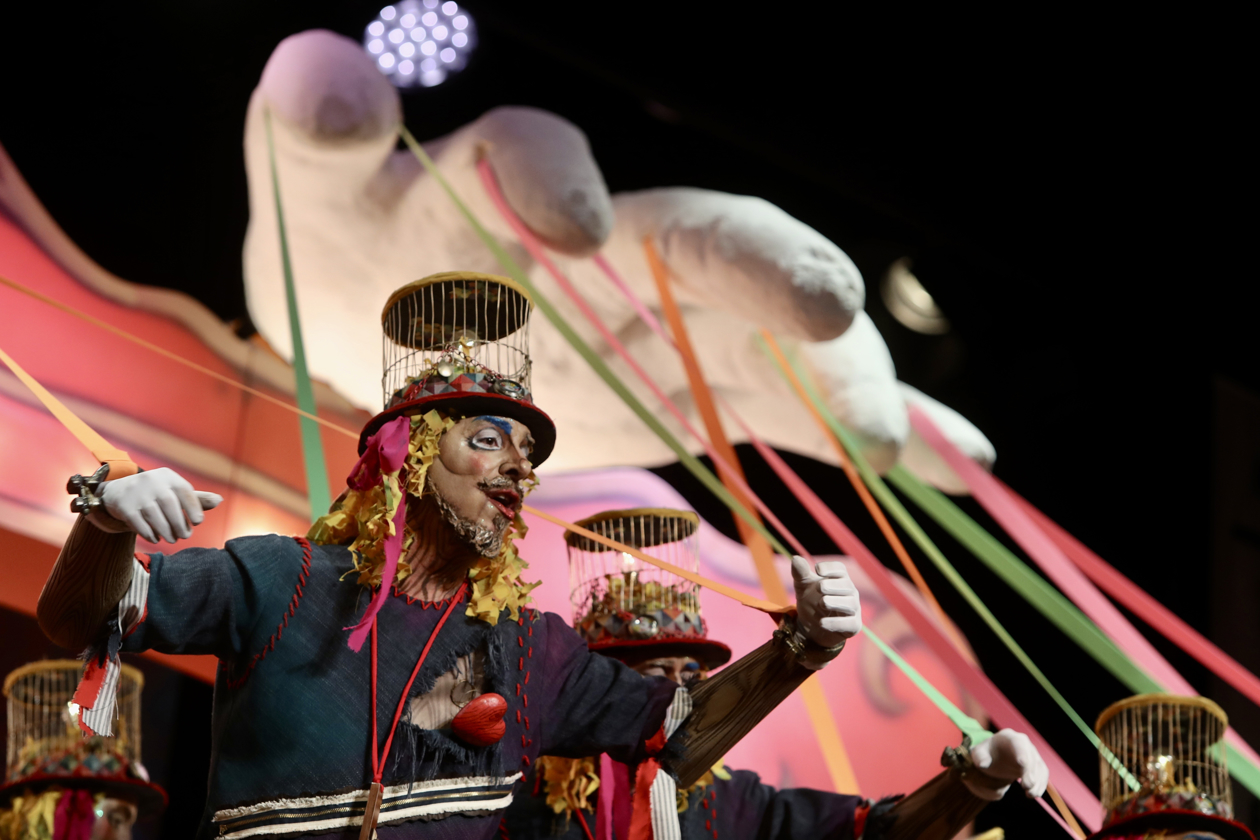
681,669
478,478
114,819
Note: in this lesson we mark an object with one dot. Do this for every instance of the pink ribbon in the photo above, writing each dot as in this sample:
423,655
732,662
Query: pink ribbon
75,816
1137,601
1002,506
1077,795
386,452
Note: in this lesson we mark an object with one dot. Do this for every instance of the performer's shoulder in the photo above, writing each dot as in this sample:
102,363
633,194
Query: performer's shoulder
285,550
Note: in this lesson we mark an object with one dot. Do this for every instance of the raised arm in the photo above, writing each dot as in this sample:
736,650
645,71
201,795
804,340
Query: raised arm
94,569
727,706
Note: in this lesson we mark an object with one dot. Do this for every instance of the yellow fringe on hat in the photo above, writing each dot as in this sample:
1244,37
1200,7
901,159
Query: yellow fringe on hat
364,520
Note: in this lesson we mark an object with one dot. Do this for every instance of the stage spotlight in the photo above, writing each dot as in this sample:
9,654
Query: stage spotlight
909,302
442,32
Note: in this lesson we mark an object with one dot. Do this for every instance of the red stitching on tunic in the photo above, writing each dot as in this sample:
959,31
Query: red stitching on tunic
424,605
237,682
520,666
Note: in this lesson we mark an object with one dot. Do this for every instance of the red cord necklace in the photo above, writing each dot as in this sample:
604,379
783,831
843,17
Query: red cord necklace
376,792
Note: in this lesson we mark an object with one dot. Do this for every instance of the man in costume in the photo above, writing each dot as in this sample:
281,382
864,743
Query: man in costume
651,621
1163,771
426,733
59,785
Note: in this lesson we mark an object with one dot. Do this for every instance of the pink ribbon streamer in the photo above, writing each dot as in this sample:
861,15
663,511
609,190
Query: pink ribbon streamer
1079,797
535,249
1050,559
1137,601
386,452
607,795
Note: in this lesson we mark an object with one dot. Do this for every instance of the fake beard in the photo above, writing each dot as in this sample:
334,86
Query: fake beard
488,542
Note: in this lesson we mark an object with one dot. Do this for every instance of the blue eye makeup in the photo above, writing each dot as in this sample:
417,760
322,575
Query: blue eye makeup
499,423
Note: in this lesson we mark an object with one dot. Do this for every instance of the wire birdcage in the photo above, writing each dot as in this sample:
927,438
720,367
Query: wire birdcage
1172,746
457,322
616,596
44,735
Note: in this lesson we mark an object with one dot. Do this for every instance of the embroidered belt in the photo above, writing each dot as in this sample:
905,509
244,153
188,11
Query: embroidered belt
436,798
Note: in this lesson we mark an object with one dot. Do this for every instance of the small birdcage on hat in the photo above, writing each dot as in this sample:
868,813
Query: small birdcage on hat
459,342
1171,749
46,746
623,606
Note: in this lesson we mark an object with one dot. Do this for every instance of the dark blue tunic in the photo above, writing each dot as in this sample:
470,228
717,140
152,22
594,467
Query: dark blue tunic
292,703
739,808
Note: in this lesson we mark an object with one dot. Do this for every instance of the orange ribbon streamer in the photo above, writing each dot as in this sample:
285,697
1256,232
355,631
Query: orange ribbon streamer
843,777
120,463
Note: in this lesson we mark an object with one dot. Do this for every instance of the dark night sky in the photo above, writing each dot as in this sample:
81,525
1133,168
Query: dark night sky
1071,189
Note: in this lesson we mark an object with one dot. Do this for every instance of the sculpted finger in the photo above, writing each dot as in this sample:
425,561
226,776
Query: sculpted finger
324,86
157,522
169,504
545,168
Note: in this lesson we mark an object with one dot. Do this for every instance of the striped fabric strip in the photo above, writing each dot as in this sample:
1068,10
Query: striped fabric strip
435,799
664,791
98,716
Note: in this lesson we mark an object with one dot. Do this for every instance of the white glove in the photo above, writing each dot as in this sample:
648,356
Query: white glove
157,504
1006,757
829,611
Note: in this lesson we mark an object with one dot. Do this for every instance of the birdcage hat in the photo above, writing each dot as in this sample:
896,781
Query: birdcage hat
623,606
1163,768
46,746
459,342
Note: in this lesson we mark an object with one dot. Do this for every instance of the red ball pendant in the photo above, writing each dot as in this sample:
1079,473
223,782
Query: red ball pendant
481,723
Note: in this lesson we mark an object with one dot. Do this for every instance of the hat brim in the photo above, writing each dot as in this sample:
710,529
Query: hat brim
474,405
149,798
1175,820
709,653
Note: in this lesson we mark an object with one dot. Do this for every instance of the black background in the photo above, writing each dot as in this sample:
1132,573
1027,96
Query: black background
1074,188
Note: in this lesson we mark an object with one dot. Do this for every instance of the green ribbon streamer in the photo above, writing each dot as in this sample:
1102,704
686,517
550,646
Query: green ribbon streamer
1048,601
903,518
968,725
688,460
693,465
317,491
1035,589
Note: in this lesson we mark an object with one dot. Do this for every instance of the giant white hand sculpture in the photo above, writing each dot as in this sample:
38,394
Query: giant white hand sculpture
363,218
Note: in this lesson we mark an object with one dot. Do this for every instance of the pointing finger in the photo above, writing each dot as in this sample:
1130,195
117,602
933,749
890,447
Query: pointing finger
208,501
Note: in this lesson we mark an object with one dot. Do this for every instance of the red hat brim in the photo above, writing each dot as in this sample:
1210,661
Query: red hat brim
149,798
1172,819
709,653
466,404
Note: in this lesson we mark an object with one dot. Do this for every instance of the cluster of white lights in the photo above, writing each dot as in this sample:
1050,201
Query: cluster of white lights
420,42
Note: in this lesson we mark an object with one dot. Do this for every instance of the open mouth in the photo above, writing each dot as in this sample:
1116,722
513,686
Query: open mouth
506,500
